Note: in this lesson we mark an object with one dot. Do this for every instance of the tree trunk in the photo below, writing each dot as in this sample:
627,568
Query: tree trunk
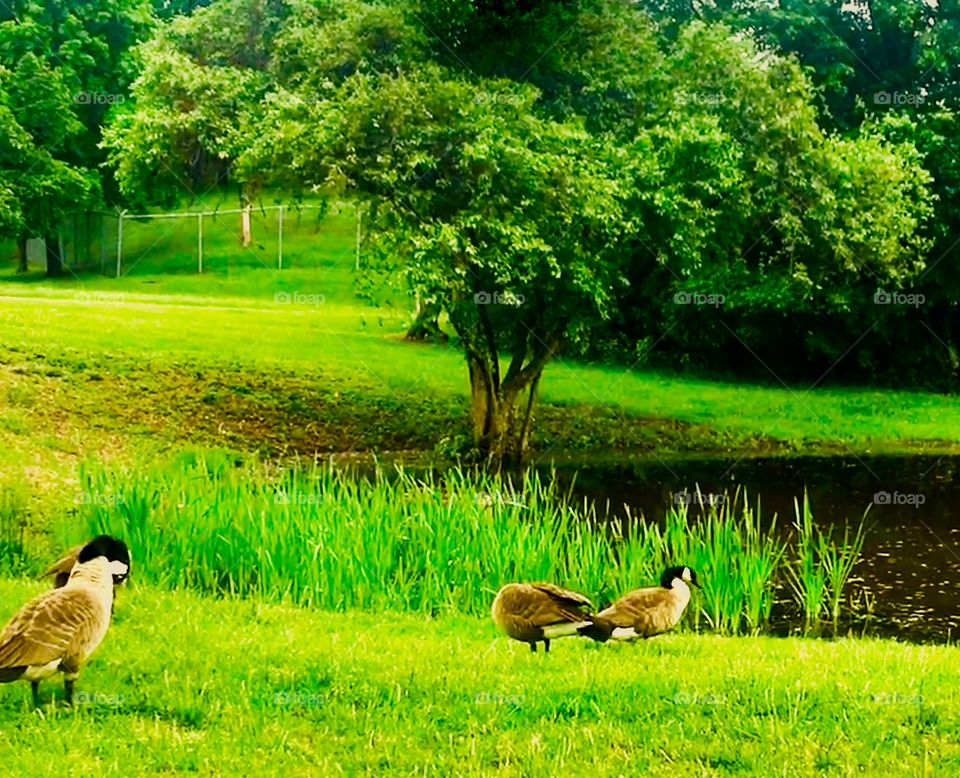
246,238
54,260
426,326
500,429
22,265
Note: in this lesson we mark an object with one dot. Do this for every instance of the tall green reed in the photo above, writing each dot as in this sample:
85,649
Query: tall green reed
823,565
313,535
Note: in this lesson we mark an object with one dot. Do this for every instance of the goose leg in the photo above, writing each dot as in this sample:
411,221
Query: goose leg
533,646
35,688
68,689
546,645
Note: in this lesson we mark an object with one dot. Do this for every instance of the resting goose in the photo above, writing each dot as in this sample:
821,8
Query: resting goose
539,612
645,612
59,630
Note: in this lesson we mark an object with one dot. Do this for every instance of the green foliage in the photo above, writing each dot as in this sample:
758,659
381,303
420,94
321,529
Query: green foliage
314,536
62,67
823,565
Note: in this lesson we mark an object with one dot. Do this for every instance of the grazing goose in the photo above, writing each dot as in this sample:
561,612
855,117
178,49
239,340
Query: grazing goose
60,570
539,612
60,629
645,612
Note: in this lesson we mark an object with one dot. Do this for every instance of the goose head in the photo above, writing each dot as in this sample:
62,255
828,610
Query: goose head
113,550
685,574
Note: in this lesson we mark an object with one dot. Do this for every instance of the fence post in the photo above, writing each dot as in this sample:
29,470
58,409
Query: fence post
280,237
103,245
200,242
359,220
120,242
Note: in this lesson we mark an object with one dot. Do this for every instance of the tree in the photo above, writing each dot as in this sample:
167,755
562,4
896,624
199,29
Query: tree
39,128
63,66
195,105
509,220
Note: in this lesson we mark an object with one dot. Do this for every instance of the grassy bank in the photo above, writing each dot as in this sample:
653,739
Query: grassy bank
314,536
296,362
189,684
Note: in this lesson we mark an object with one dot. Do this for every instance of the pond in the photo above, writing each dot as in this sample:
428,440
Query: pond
910,572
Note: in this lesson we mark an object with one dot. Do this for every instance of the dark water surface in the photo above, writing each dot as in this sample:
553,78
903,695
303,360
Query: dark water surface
908,582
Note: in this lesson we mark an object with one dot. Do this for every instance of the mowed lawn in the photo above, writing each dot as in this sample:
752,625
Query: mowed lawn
184,683
306,323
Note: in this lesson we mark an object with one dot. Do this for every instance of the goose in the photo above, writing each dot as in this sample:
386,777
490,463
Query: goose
539,612
59,630
645,612
60,570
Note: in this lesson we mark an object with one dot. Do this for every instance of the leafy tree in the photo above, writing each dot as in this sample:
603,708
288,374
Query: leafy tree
39,129
509,220
195,105
63,67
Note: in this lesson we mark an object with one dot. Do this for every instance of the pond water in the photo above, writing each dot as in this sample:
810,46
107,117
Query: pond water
910,571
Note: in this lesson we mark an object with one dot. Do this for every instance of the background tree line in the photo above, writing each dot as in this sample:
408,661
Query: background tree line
737,188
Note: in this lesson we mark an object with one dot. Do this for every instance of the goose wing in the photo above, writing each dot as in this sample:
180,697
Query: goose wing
563,597
549,604
641,610
55,625
60,569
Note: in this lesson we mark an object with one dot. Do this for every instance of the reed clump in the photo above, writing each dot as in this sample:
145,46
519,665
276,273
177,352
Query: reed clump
315,536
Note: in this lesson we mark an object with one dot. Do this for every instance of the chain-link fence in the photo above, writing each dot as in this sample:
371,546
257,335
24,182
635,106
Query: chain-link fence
207,241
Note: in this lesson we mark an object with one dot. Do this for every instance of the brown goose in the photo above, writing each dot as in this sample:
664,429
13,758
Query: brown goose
60,570
60,629
539,612
646,612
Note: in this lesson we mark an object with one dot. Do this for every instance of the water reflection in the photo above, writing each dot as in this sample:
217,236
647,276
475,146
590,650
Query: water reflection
910,573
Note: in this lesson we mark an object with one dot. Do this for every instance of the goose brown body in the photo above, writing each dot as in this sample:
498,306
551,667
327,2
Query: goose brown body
539,612
59,630
645,612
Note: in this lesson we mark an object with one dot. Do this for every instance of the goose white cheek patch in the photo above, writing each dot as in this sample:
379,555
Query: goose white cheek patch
118,568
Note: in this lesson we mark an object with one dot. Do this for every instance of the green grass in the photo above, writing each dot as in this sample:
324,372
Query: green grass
163,313
313,536
360,348
188,684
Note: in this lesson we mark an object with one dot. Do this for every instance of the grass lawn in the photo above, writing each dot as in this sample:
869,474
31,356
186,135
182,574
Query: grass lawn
293,361
186,683
349,363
